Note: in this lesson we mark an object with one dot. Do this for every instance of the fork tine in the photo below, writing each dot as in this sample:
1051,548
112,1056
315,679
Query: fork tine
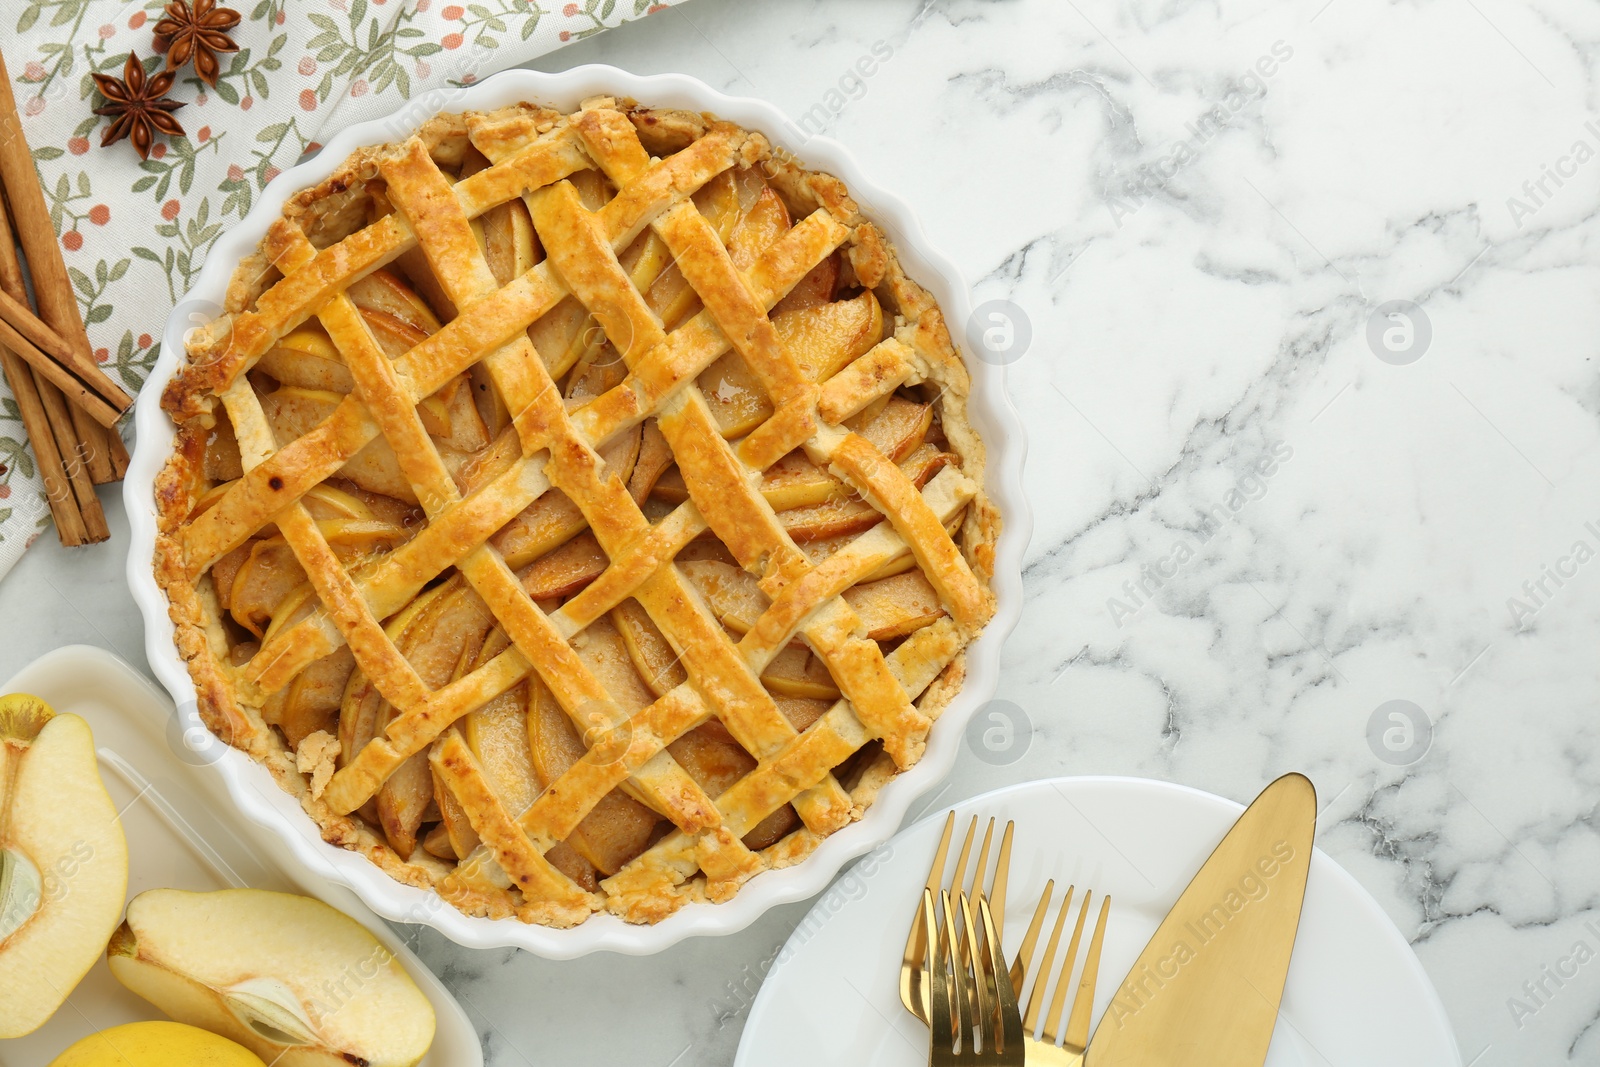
940,1028
1030,1021
936,871
1053,1019
960,949
975,887
1010,1020
1024,960
997,893
985,1010
981,870
1078,1027
912,990
958,878
961,989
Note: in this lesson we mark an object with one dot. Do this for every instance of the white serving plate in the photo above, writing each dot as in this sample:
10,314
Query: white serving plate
1356,995
250,785
183,833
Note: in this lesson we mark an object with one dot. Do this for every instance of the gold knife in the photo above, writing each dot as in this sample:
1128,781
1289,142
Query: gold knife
1205,990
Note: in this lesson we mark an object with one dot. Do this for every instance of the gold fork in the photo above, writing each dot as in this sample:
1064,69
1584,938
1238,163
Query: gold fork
912,992
972,1010
1044,1051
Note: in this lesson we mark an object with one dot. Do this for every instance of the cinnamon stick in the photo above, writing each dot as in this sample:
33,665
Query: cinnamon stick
90,451
56,301
69,446
58,488
20,318
49,424
29,325
93,446
75,390
119,456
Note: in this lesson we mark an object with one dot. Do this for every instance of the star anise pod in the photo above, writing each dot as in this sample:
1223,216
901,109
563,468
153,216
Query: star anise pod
137,106
199,33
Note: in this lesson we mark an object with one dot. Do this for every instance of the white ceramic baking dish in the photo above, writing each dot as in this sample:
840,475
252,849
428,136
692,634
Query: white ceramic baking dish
250,785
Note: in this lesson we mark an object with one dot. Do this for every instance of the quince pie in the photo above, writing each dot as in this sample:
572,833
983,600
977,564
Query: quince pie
575,511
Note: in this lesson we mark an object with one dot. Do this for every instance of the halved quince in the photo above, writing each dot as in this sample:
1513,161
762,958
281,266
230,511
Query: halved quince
63,860
286,976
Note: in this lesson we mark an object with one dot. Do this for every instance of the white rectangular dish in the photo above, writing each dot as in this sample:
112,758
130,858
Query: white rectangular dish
183,833
250,786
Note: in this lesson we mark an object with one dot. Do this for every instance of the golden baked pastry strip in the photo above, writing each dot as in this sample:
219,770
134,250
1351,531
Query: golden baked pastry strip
724,487
730,689
341,599
724,679
733,691
661,783
553,897
742,709
748,522
306,461
288,303
883,369
555,813
602,286
536,645
726,495
303,463
654,875
478,330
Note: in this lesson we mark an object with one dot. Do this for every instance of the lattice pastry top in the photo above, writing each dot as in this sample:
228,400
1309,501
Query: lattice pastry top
575,511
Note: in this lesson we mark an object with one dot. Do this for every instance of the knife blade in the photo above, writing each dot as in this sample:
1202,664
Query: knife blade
1205,991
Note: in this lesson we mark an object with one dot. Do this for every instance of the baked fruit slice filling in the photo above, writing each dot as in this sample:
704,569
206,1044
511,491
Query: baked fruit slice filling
576,512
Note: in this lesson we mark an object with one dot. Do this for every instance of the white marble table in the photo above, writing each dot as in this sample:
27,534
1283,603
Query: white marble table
1201,209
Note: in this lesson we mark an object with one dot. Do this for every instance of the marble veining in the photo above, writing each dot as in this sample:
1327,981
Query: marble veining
1277,526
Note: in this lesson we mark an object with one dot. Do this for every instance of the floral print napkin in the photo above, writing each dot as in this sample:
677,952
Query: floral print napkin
135,234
